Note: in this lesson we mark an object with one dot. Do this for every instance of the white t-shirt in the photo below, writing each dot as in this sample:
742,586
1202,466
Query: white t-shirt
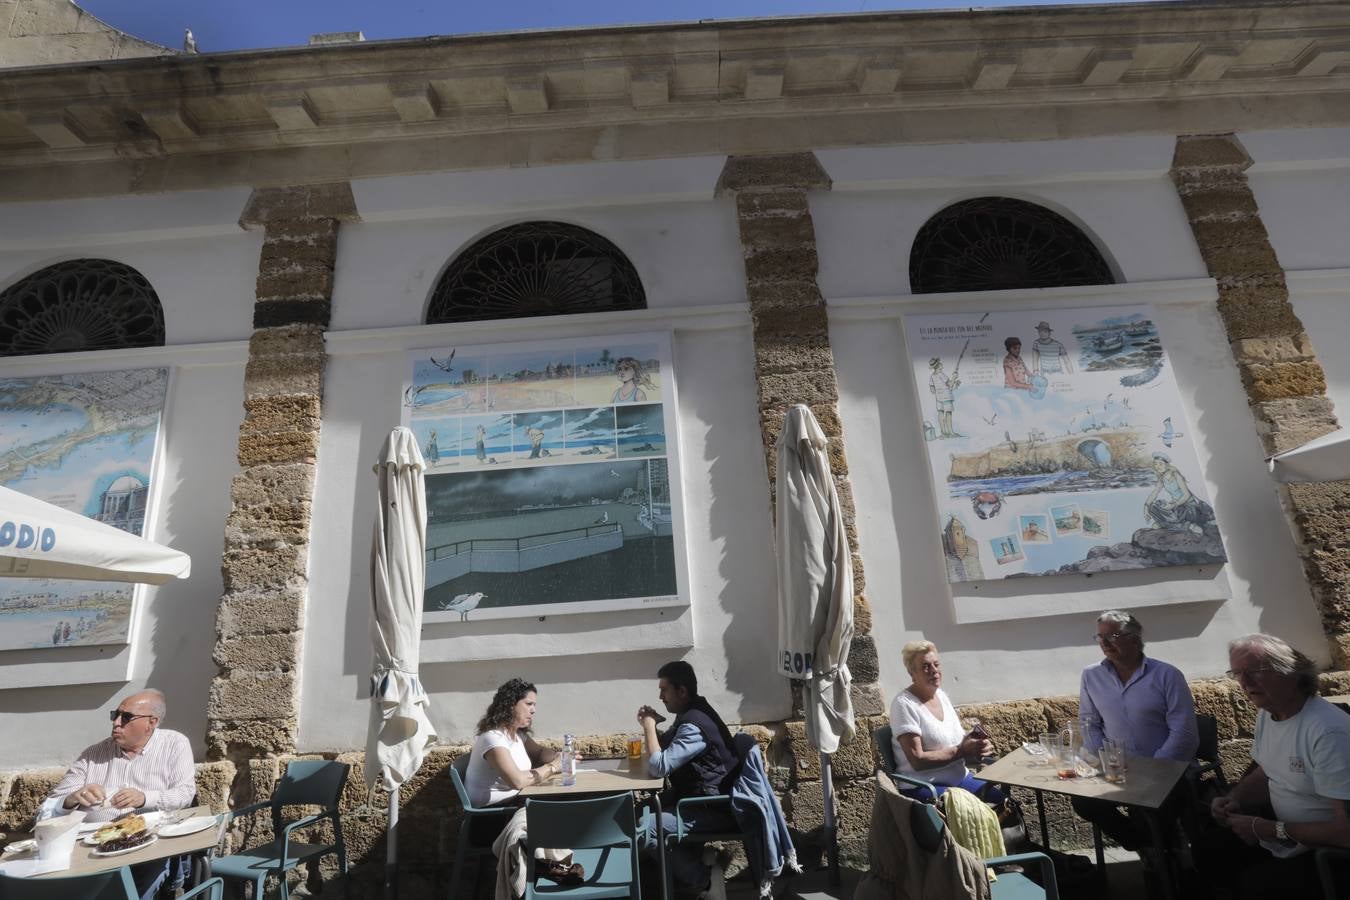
1307,759
484,783
910,716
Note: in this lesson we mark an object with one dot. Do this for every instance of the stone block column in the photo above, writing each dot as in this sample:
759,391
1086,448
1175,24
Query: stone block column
254,700
794,364
1285,385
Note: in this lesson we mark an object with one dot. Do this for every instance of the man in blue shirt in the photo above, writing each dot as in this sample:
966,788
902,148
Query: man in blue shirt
1142,703
698,756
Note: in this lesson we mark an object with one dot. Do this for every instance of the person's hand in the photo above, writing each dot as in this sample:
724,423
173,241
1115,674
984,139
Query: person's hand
128,798
970,747
647,712
1221,808
1244,827
987,748
88,796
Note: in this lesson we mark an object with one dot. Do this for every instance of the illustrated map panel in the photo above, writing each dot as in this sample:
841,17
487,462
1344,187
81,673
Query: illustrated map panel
1057,444
550,476
85,443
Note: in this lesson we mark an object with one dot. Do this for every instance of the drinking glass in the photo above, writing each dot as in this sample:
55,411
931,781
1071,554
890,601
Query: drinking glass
1113,762
1045,738
635,748
1061,757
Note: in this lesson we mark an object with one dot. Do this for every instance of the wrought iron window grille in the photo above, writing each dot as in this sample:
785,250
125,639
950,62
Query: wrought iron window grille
82,304
536,269
998,243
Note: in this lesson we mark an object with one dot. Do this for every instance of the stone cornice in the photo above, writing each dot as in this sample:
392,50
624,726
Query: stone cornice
782,85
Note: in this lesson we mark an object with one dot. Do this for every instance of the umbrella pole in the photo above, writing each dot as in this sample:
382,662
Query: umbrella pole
391,848
831,827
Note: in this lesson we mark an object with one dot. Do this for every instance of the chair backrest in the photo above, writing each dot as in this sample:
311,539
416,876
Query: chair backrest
1208,729
882,737
927,825
311,782
580,824
459,770
116,884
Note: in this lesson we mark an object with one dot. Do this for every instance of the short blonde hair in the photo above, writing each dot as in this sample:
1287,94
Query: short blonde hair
914,651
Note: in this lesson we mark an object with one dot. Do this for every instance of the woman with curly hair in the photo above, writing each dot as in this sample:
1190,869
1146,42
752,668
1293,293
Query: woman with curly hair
504,758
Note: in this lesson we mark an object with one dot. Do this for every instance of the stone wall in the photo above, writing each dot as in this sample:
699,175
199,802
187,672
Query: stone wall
1285,385
253,703
794,364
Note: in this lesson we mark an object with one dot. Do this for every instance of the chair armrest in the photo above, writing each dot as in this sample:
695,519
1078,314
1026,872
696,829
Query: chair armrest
901,780
1047,869
490,812
211,889
250,809
688,802
299,823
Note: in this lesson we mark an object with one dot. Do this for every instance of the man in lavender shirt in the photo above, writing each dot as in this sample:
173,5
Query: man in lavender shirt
1140,702
138,766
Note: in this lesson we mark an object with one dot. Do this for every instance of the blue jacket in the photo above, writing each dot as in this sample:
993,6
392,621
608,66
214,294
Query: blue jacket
768,846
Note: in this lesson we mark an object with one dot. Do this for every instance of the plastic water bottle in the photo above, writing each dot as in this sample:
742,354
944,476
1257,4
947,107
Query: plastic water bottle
568,766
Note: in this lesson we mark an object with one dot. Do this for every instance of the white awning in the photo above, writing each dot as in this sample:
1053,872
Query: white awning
1322,459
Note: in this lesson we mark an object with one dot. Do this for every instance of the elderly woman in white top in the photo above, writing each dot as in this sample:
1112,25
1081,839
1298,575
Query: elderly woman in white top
926,733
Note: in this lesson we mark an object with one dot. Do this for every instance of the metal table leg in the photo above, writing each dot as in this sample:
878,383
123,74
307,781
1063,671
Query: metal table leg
1040,811
661,845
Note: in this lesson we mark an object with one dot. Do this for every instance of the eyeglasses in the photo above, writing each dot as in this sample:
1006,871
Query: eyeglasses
1111,638
1239,674
126,718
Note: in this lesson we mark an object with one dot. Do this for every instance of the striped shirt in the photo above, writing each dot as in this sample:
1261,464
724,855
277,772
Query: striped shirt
163,771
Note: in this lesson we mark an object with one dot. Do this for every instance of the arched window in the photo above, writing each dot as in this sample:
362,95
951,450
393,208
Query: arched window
536,269
998,243
81,304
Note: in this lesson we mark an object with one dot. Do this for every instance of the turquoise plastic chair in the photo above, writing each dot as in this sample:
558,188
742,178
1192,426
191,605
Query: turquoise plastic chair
115,884
602,835
882,738
477,830
927,825
306,783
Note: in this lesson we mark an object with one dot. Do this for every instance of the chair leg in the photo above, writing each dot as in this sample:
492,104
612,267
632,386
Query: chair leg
457,873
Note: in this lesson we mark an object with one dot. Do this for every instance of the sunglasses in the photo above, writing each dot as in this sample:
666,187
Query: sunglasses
117,715
1112,638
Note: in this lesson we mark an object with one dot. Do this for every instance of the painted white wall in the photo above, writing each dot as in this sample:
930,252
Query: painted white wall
1322,302
683,243
1117,191
1011,659
591,681
175,623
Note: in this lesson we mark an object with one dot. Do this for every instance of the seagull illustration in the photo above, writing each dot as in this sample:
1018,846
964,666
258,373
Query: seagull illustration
464,604
444,366
613,474
990,420
603,520
1168,433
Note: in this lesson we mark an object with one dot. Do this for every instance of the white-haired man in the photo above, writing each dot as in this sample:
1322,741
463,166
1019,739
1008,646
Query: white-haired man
139,766
1142,703
1297,796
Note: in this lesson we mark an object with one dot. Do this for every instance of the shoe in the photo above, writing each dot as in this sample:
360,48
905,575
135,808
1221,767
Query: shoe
560,872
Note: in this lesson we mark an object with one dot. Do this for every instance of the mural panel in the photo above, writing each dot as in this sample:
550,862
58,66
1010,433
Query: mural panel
85,443
551,477
1052,433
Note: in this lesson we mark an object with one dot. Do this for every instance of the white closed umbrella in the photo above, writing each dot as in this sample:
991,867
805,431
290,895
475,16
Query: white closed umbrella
815,595
399,727
39,540
1326,458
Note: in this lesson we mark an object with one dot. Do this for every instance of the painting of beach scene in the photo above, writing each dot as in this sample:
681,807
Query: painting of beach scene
1054,426
85,443
559,493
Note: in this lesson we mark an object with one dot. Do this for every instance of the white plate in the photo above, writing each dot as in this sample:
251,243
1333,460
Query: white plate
127,850
22,846
188,826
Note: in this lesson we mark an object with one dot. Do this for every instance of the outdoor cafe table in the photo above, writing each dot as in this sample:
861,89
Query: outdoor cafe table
83,862
1148,781
608,776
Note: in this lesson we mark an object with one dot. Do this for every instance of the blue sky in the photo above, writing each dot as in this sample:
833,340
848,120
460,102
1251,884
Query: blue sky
244,24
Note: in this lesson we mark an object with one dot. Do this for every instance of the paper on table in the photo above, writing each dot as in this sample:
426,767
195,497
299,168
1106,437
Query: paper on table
26,868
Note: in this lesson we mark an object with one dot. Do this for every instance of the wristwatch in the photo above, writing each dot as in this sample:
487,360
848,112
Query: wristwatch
1281,833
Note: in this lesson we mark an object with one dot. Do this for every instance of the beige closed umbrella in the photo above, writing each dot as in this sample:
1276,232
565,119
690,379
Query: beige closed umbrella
815,595
39,540
400,729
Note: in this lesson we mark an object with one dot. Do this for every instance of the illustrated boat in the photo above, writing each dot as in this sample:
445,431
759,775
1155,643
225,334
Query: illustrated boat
1110,342
1139,329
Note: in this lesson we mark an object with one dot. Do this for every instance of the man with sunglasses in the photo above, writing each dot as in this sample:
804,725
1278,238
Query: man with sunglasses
1139,702
138,766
